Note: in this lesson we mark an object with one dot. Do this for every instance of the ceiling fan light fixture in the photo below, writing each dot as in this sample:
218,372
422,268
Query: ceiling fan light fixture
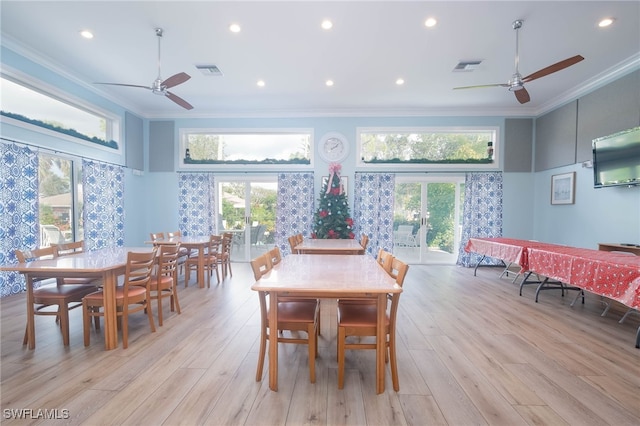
430,22
86,34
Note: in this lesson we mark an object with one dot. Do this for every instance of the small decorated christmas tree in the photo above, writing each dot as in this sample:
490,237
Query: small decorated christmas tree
332,219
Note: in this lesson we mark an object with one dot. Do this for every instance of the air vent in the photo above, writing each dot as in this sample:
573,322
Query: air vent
209,70
467,66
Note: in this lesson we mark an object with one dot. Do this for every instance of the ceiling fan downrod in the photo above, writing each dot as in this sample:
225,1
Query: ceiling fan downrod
516,82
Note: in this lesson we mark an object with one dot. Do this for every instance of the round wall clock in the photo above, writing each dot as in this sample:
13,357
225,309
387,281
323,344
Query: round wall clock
334,147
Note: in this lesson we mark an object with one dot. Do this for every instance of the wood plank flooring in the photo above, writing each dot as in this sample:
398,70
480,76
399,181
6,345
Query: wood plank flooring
471,352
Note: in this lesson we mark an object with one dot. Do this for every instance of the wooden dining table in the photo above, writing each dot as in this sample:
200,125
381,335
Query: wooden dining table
196,242
105,264
329,277
329,246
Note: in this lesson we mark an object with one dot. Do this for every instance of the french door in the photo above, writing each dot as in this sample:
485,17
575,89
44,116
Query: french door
247,208
427,218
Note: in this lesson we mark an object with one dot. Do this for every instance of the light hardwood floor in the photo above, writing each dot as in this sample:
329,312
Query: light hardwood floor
471,352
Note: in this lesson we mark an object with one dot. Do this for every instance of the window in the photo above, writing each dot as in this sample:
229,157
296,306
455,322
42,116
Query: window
430,146
60,200
28,106
245,148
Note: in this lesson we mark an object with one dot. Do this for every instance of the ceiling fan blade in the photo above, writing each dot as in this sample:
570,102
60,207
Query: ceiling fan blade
553,68
126,85
522,95
482,85
174,80
177,99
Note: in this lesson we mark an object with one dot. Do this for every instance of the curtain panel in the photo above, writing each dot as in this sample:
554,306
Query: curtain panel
19,217
373,209
196,203
103,209
482,214
295,207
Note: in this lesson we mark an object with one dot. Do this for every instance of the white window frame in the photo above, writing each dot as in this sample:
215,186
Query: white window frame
114,127
494,165
184,132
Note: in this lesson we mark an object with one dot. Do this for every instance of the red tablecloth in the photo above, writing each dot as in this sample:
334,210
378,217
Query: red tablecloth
506,249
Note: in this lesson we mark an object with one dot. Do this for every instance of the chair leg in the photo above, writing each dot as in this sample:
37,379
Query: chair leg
86,322
312,338
341,349
393,361
150,315
159,307
174,298
261,356
63,313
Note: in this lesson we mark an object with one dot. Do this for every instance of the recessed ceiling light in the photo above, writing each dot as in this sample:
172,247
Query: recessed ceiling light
86,34
430,22
400,81
326,24
606,22
234,28
260,83
329,83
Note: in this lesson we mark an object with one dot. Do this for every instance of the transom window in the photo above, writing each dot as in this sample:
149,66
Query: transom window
431,146
30,106
242,148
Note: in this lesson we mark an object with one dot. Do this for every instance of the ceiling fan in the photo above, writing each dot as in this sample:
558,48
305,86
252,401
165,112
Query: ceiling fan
159,87
516,84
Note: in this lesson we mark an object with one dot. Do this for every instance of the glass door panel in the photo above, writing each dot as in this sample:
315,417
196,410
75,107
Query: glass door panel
247,208
427,219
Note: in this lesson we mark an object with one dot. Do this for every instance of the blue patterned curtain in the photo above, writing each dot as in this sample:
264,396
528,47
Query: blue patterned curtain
294,208
482,214
196,203
103,196
18,210
373,209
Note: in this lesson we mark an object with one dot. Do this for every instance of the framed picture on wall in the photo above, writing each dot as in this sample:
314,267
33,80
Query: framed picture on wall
563,188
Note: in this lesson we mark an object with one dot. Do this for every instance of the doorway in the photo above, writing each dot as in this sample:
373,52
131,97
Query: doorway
428,218
247,208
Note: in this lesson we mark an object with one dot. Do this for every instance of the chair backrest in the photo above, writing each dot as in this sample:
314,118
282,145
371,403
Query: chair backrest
385,259
293,242
168,260
364,241
157,236
227,242
215,244
260,265
69,248
275,256
299,238
34,254
398,270
174,234
138,270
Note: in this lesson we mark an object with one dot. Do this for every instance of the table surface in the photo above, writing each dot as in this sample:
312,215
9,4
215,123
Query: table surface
331,245
328,276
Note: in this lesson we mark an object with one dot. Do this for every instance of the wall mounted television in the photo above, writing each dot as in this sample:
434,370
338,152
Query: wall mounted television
616,159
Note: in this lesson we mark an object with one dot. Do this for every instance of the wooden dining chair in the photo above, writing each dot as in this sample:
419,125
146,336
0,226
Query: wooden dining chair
292,316
361,320
275,256
293,242
211,255
133,296
184,251
384,259
156,236
64,295
164,282
70,248
364,241
224,260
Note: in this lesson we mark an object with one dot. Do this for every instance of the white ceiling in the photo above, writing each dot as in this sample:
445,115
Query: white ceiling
372,43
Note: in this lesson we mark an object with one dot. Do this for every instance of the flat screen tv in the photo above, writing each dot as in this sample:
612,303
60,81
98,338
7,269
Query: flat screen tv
616,159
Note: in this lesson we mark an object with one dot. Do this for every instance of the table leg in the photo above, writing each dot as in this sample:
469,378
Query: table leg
380,342
109,281
31,327
273,341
